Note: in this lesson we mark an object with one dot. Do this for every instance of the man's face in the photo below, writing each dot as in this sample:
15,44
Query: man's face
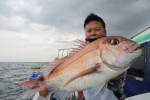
94,29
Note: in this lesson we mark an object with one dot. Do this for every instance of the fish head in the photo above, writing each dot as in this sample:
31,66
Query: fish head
118,51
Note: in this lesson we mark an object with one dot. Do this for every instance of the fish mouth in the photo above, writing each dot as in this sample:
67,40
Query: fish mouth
138,47
133,48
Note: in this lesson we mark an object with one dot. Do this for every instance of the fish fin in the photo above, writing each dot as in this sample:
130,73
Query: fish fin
99,88
38,97
30,93
49,68
31,84
81,44
60,95
104,87
85,72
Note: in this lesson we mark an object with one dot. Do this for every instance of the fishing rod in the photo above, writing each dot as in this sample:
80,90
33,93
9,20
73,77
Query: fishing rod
142,36
140,32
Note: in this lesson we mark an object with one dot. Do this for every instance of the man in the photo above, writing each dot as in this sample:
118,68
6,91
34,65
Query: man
95,28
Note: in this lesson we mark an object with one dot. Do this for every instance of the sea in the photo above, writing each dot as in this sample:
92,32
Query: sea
12,74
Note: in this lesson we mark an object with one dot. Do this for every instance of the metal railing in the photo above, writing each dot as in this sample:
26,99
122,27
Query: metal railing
61,52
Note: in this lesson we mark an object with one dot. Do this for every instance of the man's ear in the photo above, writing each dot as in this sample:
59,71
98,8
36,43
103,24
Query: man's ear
105,33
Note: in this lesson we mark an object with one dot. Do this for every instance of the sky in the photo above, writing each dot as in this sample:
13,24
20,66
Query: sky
34,30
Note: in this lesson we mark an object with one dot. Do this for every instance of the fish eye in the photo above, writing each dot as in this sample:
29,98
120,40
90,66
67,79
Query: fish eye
115,42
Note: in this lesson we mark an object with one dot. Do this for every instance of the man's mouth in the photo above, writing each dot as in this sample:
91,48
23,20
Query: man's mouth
91,40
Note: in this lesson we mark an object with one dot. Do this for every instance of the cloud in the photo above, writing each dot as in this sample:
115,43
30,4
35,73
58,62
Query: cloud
34,30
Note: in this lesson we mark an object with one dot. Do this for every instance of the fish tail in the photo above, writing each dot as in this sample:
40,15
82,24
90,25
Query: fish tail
31,84
30,93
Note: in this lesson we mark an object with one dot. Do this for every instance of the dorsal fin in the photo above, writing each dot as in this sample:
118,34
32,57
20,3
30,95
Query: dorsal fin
51,66
56,63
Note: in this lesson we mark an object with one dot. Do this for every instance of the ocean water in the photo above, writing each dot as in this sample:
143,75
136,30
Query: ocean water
11,76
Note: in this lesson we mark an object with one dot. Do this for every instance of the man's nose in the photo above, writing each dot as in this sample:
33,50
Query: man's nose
93,32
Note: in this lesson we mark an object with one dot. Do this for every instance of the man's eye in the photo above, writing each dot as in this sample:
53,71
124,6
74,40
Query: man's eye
88,31
97,29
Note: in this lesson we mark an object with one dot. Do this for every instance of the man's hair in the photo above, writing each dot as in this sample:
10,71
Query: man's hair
94,17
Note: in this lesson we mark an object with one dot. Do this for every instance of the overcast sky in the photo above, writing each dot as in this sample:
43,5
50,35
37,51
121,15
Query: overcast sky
34,30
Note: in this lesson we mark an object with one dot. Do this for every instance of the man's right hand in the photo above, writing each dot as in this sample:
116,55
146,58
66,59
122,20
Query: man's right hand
42,90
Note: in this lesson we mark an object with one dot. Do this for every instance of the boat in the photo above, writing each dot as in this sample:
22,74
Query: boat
35,68
137,83
35,75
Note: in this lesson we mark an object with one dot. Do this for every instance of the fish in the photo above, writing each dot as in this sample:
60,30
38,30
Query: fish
89,65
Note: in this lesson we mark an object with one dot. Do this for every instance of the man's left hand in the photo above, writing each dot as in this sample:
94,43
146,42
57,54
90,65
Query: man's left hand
118,77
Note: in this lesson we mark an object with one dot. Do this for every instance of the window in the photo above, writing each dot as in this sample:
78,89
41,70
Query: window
137,69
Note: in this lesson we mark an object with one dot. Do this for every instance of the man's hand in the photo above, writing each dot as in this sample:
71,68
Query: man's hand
42,91
80,95
40,78
118,77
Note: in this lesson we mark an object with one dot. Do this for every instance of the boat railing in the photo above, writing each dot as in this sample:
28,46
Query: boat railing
64,52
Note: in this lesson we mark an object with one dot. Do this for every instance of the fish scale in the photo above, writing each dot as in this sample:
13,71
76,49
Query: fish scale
71,69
